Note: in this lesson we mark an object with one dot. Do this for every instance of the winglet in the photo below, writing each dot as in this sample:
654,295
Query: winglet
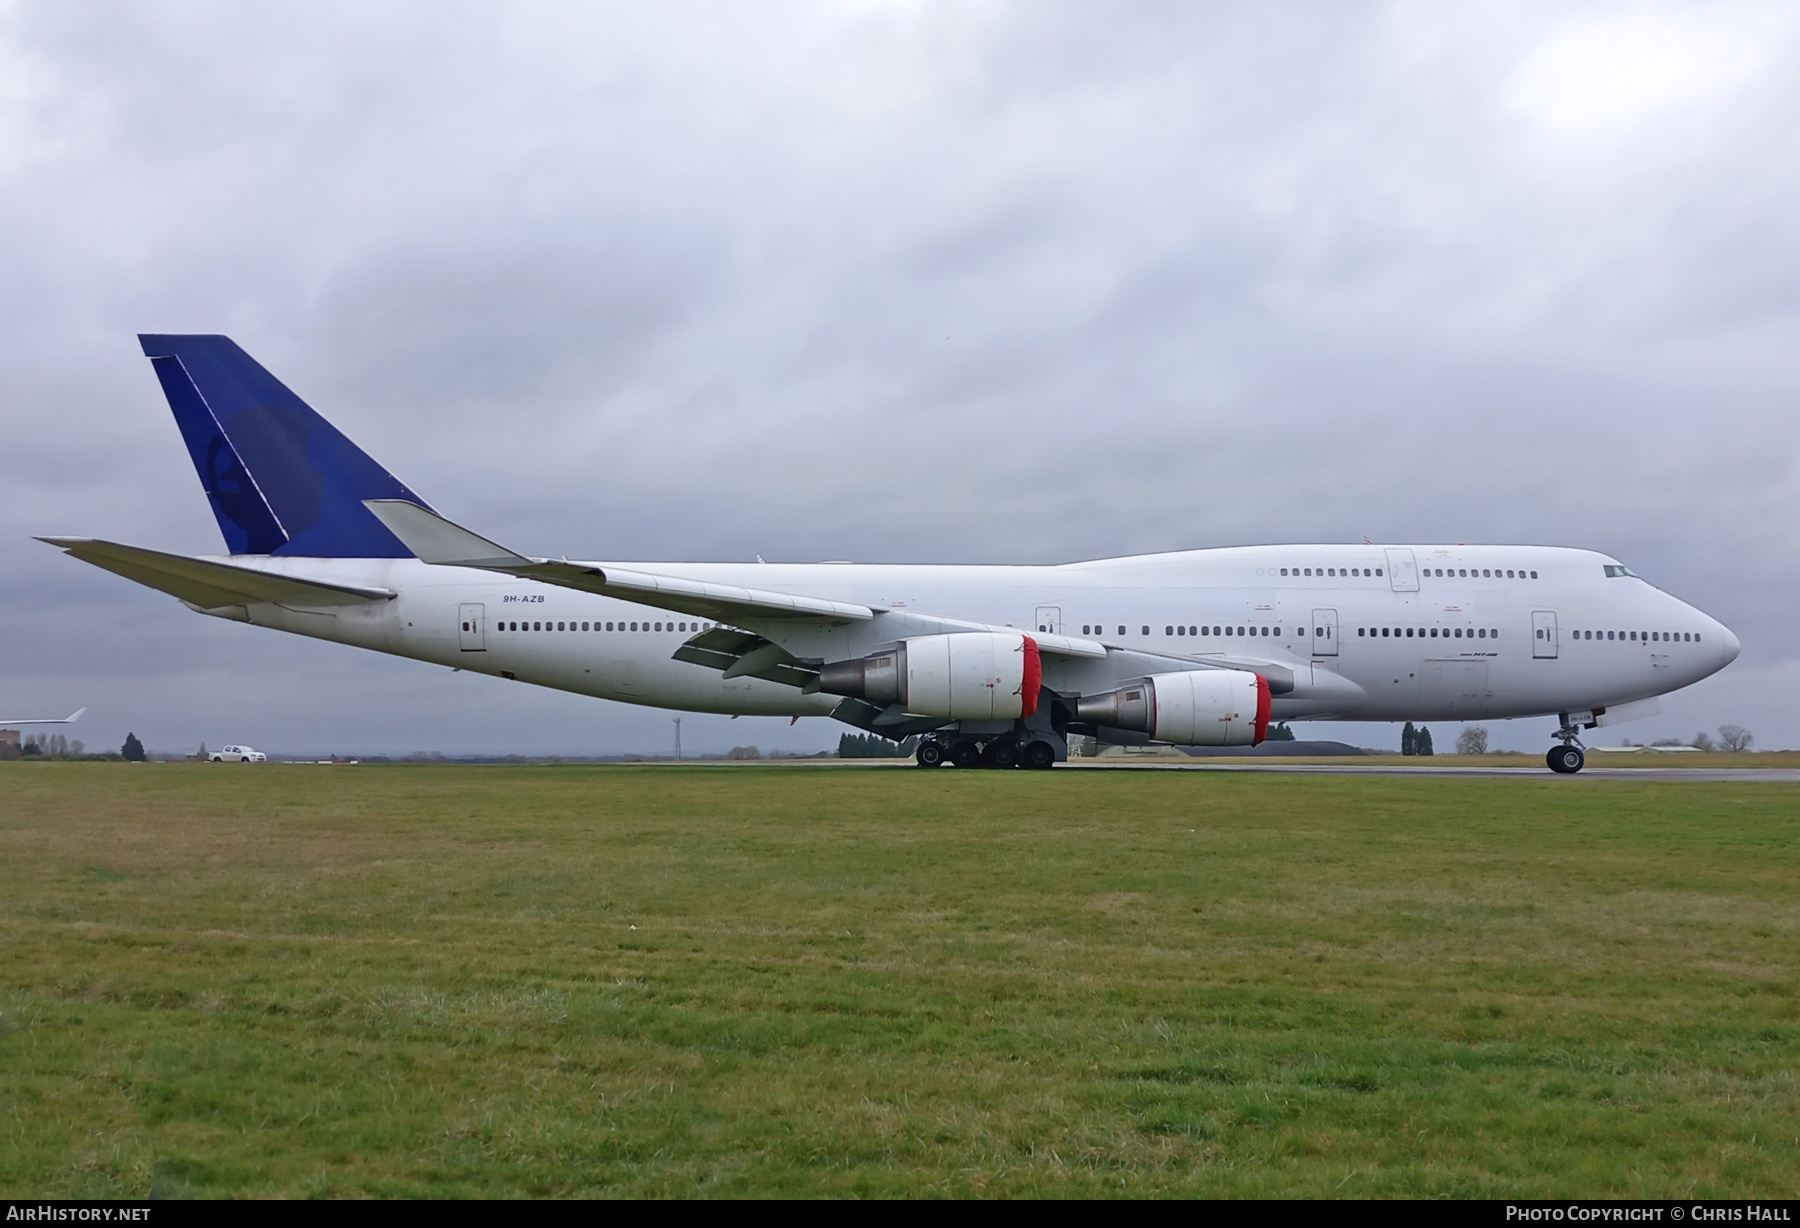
436,540
79,713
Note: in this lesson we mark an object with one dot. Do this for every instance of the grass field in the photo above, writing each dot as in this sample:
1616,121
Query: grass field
548,981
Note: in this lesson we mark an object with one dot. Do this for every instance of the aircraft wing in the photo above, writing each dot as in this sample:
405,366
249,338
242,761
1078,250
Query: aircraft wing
206,584
436,540
43,720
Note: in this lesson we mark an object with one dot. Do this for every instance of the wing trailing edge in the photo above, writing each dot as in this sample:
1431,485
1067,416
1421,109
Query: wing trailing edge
44,720
437,540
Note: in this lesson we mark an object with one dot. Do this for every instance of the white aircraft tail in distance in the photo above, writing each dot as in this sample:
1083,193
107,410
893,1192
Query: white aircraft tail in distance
992,666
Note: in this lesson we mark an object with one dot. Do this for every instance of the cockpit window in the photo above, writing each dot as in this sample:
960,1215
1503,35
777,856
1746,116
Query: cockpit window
1616,569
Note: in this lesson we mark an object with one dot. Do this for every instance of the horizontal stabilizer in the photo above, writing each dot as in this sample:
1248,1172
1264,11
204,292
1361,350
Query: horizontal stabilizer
208,584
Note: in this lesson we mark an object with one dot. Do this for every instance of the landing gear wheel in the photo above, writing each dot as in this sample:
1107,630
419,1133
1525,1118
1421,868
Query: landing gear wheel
1040,755
1002,753
1566,760
930,754
965,754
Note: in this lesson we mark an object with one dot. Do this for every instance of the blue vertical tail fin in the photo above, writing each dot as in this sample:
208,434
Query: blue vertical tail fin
281,479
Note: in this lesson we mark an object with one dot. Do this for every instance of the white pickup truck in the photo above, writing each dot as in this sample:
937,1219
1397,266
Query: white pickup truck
237,754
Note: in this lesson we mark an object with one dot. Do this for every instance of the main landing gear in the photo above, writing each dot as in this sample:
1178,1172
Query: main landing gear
1001,752
1565,759
1568,758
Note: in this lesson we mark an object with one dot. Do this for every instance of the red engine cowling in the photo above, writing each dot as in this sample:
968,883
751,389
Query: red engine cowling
970,676
1202,707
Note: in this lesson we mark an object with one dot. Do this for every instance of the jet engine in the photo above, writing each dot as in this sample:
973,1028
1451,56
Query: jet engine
970,676
1202,707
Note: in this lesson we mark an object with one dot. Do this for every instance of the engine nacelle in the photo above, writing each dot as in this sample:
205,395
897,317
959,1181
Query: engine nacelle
969,676
1201,707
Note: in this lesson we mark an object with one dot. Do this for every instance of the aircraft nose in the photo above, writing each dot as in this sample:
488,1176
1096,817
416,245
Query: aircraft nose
1730,646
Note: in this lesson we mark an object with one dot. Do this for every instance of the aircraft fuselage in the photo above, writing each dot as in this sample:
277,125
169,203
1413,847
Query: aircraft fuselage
1367,632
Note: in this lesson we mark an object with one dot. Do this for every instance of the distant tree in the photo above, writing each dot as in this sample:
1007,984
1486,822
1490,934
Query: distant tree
1409,740
1735,738
1702,742
874,746
1422,744
1279,732
743,752
1472,741
133,750
76,747
32,748
864,746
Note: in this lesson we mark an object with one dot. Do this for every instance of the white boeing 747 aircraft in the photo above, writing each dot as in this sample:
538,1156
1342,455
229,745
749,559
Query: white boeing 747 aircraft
993,666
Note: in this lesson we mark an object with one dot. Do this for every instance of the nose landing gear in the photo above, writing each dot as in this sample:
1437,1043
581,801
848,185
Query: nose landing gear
1570,757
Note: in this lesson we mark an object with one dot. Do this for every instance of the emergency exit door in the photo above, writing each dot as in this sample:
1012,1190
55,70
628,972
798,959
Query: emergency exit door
473,636
1543,633
1049,619
1324,633
1403,571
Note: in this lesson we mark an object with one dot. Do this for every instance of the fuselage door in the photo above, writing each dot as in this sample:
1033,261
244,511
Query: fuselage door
1403,571
1543,633
1324,633
1049,619
473,635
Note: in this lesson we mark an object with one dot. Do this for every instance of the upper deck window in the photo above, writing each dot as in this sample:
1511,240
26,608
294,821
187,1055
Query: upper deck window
1617,569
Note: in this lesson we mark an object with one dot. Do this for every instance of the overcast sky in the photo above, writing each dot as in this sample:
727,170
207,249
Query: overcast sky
953,282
